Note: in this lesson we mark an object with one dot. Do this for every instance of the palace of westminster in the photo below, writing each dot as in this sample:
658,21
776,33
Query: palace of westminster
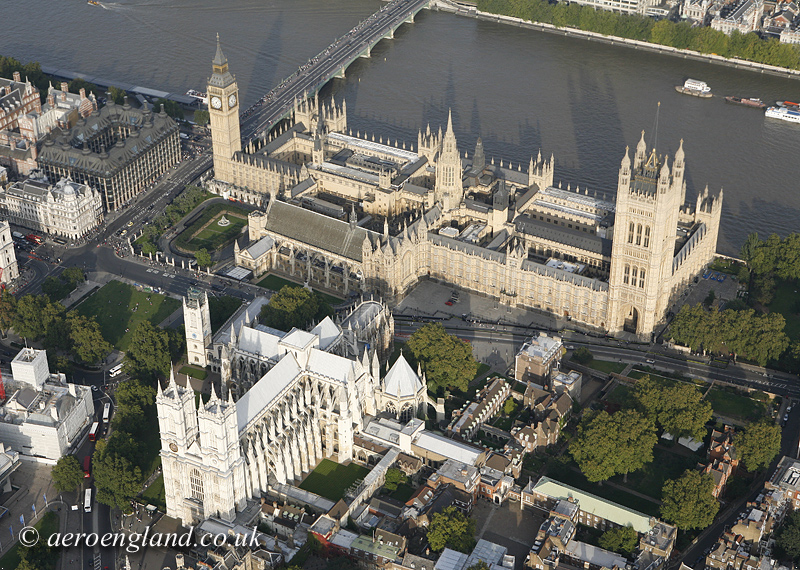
358,217
346,214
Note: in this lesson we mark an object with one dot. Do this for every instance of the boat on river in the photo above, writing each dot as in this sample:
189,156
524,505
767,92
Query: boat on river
751,102
694,87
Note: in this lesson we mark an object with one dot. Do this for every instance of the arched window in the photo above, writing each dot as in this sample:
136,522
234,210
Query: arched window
633,276
196,484
646,236
641,278
630,233
626,277
639,234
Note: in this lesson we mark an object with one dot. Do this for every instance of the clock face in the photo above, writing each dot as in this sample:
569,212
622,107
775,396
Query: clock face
216,102
232,101
173,447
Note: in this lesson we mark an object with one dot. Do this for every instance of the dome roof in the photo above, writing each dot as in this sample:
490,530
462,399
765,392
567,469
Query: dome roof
401,381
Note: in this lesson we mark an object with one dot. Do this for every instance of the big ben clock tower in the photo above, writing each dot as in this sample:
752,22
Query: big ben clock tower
223,110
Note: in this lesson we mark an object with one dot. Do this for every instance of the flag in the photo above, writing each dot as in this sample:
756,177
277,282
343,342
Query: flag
45,498
11,530
33,508
22,520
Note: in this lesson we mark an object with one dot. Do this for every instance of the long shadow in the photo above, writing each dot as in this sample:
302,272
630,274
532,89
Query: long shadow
267,67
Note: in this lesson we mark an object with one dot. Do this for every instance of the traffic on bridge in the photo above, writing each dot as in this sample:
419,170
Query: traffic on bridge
333,60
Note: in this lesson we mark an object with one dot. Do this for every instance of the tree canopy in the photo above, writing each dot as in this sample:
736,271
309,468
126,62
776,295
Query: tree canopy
148,355
201,117
446,359
788,536
679,35
451,529
758,444
33,315
88,344
8,309
608,445
202,257
677,408
687,502
756,337
293,306
67,474
393,478
623,540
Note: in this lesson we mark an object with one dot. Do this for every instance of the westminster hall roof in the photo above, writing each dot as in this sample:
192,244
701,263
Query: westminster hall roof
317,230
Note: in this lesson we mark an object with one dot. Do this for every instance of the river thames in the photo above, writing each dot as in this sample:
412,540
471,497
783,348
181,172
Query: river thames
520,90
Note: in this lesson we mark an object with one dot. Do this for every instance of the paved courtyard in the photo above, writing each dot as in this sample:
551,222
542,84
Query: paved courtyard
508,525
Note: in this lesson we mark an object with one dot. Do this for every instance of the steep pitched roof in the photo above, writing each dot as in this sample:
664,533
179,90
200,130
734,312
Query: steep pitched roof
401,380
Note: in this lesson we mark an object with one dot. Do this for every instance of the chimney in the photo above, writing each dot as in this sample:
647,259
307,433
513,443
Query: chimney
82,93
64,90
17,77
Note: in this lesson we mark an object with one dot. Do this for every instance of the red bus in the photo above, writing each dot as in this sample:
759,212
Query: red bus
87,463
33,238
93,431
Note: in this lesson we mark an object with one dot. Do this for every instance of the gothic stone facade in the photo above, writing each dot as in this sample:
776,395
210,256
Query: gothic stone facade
346,212
288,400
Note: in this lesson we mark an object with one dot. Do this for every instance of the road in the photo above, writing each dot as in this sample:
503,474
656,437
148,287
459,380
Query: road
271,108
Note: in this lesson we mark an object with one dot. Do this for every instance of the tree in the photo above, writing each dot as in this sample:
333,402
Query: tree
452,529
688,502
67,474
788,536
758,444
8,309
73,275
393,478
622,539
446,359
609,445
34,315
88,343
678,409
57,336
148,355
290,307
77,84
171,108
117,95
709,300
201,118
509,407
582,355
202,257
116,479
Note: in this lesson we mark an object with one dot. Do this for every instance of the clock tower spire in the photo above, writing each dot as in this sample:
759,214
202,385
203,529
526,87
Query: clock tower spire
223,110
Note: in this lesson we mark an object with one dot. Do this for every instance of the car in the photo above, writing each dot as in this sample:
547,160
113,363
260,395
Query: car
650,361
786,417
570,347
130,224
94,388
124,233
449,303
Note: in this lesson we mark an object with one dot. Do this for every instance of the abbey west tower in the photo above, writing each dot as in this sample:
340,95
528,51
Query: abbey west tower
223,110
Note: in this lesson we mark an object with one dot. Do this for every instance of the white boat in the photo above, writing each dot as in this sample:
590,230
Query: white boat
784,114
694,87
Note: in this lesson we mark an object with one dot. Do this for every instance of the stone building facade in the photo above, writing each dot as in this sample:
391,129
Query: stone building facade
351,214
117,150
67,209
9,270
288,400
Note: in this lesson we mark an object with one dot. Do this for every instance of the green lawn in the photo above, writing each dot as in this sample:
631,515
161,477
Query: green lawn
565,474
47,526
154,494
119,307
666,465
331,480
402,493
607,366
194,372
735,405
214,236
622,395
275,283
787,303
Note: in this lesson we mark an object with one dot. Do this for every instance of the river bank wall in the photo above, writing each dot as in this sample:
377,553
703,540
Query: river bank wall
466,10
